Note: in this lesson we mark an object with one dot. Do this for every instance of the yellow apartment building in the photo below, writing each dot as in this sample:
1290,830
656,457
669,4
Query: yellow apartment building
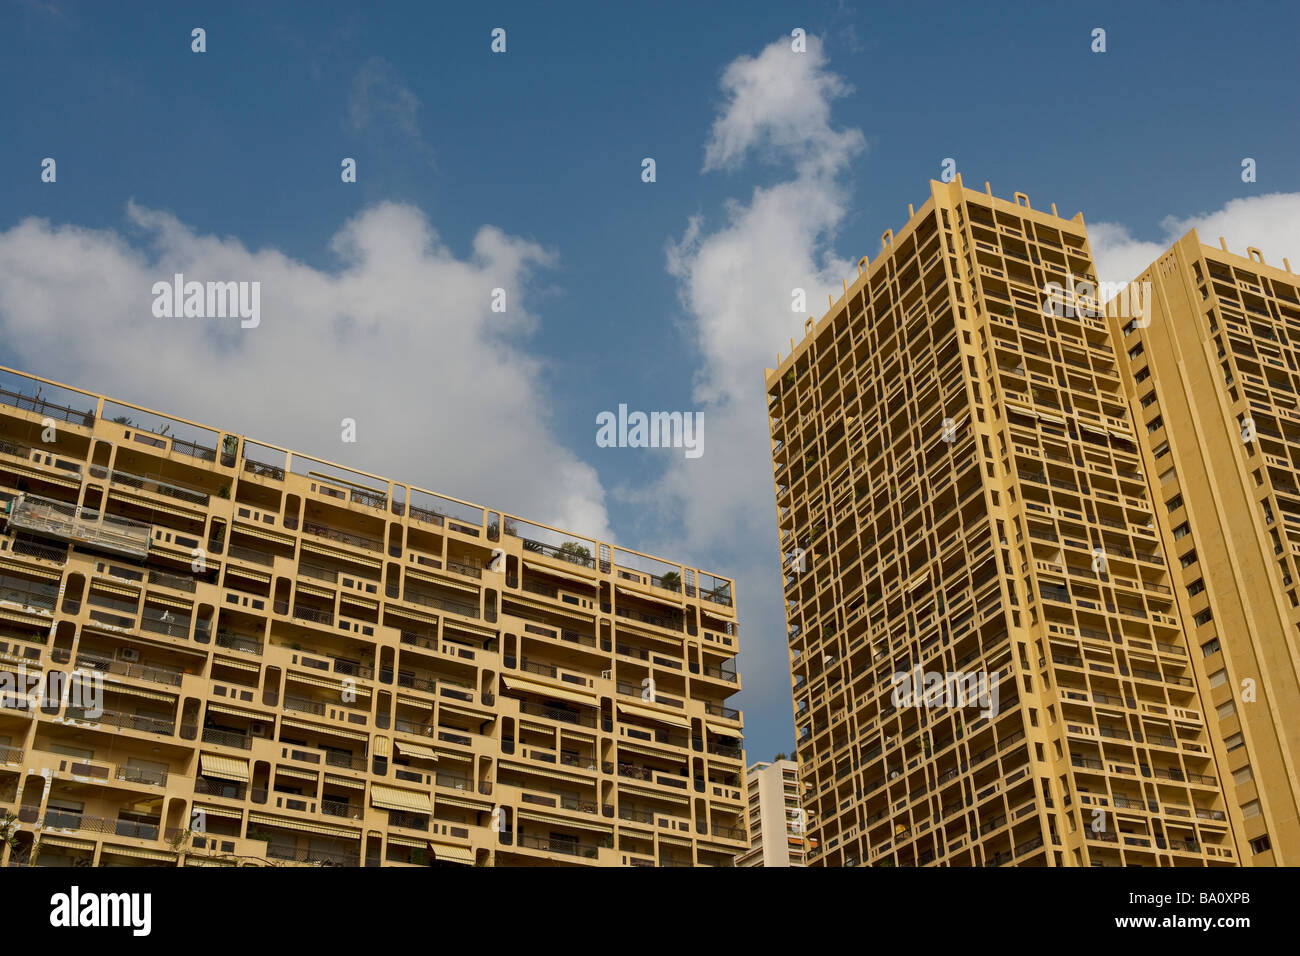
989,665
216,652
1210,368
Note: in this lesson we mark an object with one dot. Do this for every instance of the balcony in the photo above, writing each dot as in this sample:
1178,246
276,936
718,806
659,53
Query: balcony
65,522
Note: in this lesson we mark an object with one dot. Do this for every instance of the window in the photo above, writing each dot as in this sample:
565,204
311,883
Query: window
1155,425
1210,647
1260,844
1135,351
1251,809
1188,559
1142,375
1174,503
1205,617
1182,531
1235,741
1243,775
1219,678
1196,587
1149,399
1226,710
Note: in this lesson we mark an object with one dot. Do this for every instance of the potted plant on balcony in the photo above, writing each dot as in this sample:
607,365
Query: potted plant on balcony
672,581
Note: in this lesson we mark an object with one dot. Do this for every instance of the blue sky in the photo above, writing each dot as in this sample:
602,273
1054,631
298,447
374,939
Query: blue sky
167,158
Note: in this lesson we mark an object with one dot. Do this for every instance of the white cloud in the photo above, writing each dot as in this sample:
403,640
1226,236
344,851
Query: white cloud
736,282
1270,223
400,337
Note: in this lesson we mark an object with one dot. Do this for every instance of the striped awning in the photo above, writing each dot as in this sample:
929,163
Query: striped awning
333,685
229,812
536,728
643,749
415,750
414,614
391,798
137,692
249,573
543,569
141,854
18,616
275,536
133,594
646,595
42,475
315,591
333,781
454,584
150,505
241,665
463,804
649,713
470,628
338,731
453,854
381,747
668,794
67,842
186,606
237,712
722,730
29,569
317,547
227,768
267,820
296,774
515,682
562,822
395,840
415,702
543,772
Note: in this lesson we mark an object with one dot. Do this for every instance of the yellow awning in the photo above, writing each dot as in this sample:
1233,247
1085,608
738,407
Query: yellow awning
236,712
722,730
333,685
148,504
647,595
515,682
561,822
133,594
391,798
227,768
334,781
141,854
249,573
647,750
303,725
296,774
415,750
453,854
651,714
32,570
543,569
463,804
283,539
543,772
470,629
395,840
220,812
315,591
67,842
268,820
381,747
241,665
152,598
137,692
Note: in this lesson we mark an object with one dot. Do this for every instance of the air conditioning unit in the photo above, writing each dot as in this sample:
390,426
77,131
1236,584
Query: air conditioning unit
130,655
